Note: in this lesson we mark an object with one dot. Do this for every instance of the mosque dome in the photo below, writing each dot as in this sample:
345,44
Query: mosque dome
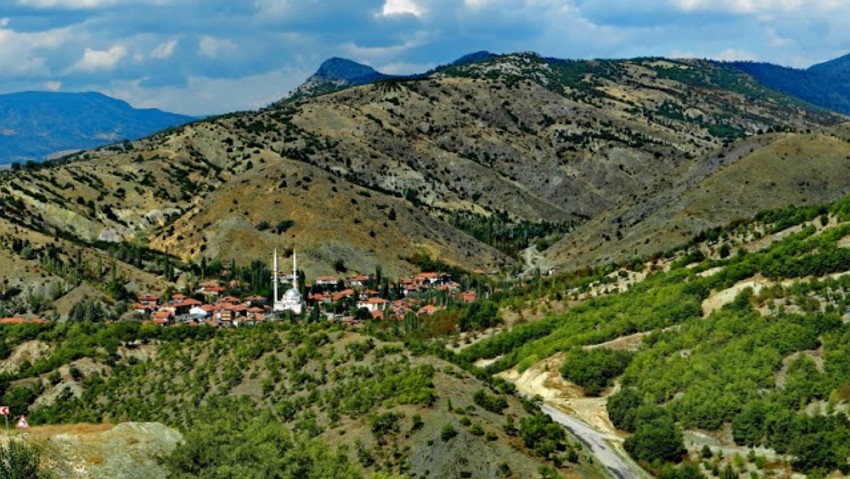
292,294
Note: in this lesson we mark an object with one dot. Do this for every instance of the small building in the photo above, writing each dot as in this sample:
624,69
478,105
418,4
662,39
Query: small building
373,304
327,281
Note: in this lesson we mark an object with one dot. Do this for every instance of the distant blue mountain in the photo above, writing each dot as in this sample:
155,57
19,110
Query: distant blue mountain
35,125
826,85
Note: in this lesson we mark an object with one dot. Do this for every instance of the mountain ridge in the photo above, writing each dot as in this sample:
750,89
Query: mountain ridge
335,74
36,124
469,165
826,84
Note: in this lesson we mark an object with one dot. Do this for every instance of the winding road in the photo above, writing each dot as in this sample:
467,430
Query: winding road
620,467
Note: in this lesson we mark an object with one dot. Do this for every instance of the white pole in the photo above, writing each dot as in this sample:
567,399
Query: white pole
274,281
294,270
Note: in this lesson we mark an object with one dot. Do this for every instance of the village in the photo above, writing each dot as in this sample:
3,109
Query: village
348,300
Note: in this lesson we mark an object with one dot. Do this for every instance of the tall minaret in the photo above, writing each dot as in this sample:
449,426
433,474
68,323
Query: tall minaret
294,270
275,277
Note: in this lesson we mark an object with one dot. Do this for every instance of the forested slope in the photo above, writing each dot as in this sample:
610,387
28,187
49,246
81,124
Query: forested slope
747,334
288,400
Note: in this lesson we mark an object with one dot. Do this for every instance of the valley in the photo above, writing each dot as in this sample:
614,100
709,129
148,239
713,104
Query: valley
509,266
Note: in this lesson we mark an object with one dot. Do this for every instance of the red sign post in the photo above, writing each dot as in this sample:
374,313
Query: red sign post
4,411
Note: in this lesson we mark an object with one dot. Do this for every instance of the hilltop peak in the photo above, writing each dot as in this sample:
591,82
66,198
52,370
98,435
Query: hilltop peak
346,70
474,57
837,66
335,74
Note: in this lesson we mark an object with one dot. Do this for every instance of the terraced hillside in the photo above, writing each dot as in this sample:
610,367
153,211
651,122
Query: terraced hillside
729,357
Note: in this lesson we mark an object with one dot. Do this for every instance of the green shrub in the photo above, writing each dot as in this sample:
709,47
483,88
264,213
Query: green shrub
19,460
447,433
658,439
492,403
623,407
596,369
542,435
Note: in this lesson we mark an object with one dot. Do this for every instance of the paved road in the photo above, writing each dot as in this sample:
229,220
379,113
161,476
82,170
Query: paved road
620,467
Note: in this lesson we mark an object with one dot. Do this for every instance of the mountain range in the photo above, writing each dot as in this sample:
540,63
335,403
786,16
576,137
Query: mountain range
572,163
826,84
37,125
660,187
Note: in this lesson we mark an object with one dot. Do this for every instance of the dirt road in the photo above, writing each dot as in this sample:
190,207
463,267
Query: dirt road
620,467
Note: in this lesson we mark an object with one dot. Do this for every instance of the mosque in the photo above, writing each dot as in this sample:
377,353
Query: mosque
291,300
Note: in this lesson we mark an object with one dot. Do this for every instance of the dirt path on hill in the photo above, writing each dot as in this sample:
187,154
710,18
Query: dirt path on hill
719,299
533,260
585,417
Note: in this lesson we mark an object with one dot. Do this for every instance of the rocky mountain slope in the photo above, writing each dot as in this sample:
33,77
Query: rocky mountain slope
469,164
35,125
337,74
768,172
104,451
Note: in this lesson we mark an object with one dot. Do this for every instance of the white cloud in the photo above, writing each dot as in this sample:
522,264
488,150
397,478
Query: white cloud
212,47
164,50
756,6
734,55
273,8
69,4
53,86
206,96
100,59
22,54
404,68
402,7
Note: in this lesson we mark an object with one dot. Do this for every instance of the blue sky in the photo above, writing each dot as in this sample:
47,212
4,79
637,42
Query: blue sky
215,56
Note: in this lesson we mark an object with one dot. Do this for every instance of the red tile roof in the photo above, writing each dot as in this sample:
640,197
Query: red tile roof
428,309
342,294
374,301
188,303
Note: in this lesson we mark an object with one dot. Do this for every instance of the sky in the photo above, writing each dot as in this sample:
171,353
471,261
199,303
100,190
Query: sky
204,57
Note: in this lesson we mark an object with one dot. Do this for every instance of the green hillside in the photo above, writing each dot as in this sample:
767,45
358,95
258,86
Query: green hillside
286,400
746,336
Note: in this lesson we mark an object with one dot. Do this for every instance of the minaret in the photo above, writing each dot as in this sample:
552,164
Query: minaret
294,270
274,278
